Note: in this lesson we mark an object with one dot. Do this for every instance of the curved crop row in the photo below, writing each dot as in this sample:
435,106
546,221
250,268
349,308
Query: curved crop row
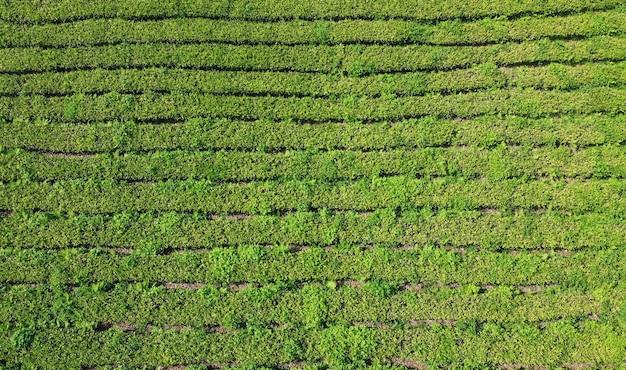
308,306
108,196
24,11
496,164
355,60
423,264
277,83
267,135
486,76
393,31
559,342
151,234
150,107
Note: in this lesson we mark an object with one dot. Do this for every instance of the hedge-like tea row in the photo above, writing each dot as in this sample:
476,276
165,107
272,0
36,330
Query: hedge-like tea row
472,344
555,76
582,270
151,107
268,135
147,233
367,194
500,163
356,60
283,83
309,306
24,11
559,76
185,30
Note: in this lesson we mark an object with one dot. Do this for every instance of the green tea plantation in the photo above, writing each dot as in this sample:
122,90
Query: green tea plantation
312,184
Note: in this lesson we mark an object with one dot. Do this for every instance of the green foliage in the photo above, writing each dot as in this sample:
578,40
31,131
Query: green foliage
482,76
485,131
150,247
299,58
72,106
471,290
321,184
315,308
210,293
469,327
380,288
22,338
460,229
360,69
322,32
526,103
346,346
125,132
577,197
28,12
419,33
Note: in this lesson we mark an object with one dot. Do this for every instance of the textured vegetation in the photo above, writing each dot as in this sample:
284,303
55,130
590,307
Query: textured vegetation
234,184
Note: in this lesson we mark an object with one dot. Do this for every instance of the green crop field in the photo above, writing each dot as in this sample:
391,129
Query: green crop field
291,184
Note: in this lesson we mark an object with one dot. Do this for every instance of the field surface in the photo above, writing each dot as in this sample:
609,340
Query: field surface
288,184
